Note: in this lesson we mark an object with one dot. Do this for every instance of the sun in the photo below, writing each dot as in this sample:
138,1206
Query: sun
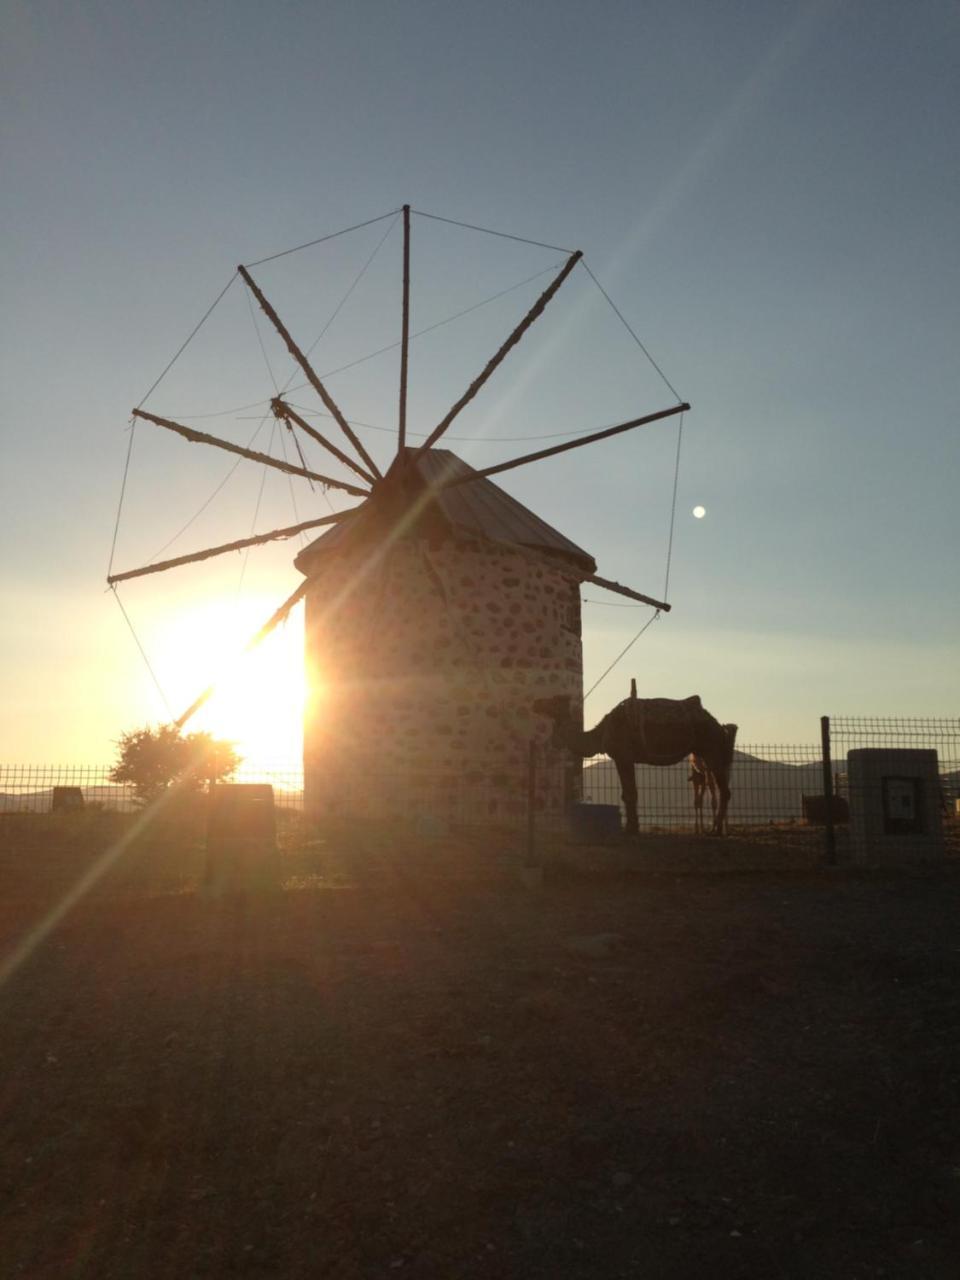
258,697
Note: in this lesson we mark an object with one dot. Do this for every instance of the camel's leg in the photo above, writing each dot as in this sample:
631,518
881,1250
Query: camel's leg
720,818
697,806
712,784
628,790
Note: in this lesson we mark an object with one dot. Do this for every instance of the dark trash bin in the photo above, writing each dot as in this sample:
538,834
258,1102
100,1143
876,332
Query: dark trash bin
815,810
594,823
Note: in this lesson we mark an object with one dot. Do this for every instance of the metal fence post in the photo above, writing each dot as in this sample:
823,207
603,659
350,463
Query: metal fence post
531,858
829,833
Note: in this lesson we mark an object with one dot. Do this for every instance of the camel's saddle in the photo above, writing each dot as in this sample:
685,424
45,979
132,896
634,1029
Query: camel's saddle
649,718
642,712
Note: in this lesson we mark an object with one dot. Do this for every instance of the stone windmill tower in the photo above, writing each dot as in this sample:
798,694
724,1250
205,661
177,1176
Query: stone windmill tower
434,618
438,610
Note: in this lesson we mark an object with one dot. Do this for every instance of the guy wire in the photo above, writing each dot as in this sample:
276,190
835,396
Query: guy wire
143,654
629,330
673,509
623,652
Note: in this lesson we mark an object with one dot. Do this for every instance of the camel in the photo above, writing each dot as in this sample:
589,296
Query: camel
657,731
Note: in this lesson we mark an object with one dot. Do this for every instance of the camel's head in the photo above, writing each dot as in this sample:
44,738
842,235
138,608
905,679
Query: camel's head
558,710
729,738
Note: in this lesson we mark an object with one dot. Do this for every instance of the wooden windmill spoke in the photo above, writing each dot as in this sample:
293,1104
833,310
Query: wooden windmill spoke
201,437
282,410
562,448
627,591
274,534
272,622
404,332
307,368
536,310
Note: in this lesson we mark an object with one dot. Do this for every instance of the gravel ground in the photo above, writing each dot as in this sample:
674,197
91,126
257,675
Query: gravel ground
405,1062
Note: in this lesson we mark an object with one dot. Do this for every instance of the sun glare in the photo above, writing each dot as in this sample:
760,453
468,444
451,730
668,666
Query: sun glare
259,696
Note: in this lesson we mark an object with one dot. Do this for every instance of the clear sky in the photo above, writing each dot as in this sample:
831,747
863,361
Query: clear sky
769,191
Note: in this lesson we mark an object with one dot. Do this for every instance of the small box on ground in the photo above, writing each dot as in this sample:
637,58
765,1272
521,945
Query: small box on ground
815,810
66,799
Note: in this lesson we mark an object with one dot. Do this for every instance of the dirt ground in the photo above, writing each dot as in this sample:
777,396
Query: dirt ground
661,1063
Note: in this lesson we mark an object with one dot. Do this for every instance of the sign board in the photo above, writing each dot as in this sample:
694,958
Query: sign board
902,804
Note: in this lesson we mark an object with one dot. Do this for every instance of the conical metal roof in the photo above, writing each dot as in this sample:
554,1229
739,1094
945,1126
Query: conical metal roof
479,508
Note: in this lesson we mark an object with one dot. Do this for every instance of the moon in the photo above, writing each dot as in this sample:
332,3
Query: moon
699,512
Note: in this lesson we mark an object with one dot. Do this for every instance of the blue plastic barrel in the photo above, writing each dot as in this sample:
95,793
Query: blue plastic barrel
593,823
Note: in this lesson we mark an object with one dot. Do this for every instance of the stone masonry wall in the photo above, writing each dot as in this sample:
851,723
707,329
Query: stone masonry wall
422,669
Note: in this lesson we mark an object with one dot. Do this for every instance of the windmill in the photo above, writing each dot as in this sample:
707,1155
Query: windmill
438,609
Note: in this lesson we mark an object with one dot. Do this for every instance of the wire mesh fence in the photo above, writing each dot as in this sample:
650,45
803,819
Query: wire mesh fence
888,778
770,783
44,788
